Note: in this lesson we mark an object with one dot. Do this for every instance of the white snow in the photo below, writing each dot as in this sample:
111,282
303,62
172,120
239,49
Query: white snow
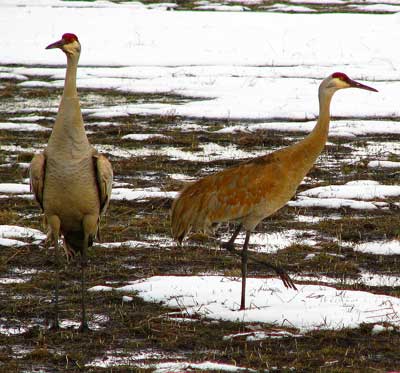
332,203
10,126
358,194
140,194
260,335
378,8
100,288
8,281
175,367
377,329
236,70
12,330
30,118
288,8
383,164
144,136
96,322
131,244
338,128
5,75
15,231
311,307
379,247
11,242
365,278
223,8
272,242
354,191
14,188
207,152
118,357
226,58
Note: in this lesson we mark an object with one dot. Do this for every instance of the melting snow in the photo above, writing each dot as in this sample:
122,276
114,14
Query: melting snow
311,307
379,247
192,367
354,194
332,203
140,194
10,126
364,191
14,231
383,164
144,136
272,242
14,188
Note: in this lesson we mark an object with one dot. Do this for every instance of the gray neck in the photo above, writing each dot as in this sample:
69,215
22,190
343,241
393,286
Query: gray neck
68,136
70,76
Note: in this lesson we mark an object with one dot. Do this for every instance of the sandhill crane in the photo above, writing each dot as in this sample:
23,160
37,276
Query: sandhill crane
254,190
70,180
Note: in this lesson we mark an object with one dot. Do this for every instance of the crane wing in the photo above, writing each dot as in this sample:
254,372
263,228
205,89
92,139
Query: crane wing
37,174
237,193
104,176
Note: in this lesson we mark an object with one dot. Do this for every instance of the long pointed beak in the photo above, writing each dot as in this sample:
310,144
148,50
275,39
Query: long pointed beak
57,44
355,84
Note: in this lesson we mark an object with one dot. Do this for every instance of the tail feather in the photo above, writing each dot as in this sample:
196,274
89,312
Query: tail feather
190,213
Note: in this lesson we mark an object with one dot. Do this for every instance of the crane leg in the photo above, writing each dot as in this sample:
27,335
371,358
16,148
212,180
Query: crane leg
230,244
84,325
287,281
89,226
244,270
54,224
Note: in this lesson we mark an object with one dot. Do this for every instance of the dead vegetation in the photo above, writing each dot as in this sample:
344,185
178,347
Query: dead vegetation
128,329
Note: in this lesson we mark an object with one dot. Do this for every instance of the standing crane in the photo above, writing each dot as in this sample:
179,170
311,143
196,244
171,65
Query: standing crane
253,190
70,180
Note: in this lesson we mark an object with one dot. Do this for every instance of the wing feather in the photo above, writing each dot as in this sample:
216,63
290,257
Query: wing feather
37,174
104,175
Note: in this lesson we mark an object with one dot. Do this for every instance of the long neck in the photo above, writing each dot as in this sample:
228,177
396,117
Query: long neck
69,130
316,140
70,76
302,155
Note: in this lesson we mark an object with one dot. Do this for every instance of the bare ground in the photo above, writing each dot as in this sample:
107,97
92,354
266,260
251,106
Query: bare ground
142,333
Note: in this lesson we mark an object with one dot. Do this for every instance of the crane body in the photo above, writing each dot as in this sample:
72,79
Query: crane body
70,180
255,189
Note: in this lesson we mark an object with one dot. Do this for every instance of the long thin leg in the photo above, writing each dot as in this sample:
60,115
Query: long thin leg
54,224
84,326
56,324
230,244
244,270
285,278
89,225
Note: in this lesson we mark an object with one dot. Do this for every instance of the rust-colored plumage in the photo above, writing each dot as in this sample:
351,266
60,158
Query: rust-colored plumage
70,180
255,189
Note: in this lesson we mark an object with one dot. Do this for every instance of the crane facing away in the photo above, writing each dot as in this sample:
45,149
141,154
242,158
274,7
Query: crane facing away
70,180
253,190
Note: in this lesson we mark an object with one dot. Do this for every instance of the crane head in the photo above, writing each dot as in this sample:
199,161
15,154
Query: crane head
340,80
69,44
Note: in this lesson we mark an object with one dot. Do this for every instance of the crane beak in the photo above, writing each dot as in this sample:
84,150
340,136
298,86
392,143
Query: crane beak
354,84
57,44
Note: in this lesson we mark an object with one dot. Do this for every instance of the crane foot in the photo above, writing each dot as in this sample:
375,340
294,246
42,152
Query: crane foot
228,246
54,326
84,327
285,278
